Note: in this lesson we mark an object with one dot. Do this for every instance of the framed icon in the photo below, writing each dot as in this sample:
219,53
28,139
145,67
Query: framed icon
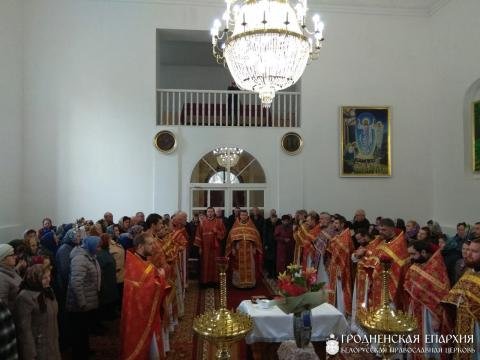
365,141
292,143
165,141
476,135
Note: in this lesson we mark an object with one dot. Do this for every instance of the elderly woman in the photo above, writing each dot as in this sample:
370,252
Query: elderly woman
36,316
9,278
82,294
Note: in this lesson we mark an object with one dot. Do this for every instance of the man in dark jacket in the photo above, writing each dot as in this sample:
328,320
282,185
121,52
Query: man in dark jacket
269,243
233,217
360,221
258,219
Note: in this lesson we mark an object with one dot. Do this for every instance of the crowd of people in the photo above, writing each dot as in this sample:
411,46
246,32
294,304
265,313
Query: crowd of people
433,277
58,285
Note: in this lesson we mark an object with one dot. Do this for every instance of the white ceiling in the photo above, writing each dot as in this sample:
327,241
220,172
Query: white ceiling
387,7
416,4
394,7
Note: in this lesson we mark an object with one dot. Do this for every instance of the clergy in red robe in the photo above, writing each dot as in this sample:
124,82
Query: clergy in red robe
340,249
283,235
180,239
363,278
463,305
210,233
245,246
308,234
427,283
144,291
387,245
298,230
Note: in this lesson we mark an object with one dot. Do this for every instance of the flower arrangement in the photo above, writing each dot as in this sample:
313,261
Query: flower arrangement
295,281
300,289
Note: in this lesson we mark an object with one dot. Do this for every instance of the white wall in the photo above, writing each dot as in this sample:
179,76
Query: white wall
90,106
11,140
456,59
370,60
90,115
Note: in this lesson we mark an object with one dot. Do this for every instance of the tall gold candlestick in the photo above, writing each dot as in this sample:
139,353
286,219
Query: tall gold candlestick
221,326
384,319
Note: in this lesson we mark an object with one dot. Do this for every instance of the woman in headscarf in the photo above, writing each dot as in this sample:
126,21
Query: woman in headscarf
62,266
411,230
82,294
126,239
108,289
36,316
49,244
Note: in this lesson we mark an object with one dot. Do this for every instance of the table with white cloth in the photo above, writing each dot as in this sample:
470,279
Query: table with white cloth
272,325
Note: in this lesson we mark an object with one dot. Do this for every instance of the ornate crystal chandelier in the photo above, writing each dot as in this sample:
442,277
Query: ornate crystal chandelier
266,44
227,157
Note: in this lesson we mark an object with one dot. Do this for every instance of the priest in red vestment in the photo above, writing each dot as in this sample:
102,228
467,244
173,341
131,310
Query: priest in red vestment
245,246
463,305
143,294
387,245
427,283
308,234
340,249
208,239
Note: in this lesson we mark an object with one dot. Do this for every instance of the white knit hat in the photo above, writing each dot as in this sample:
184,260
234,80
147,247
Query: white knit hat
5,250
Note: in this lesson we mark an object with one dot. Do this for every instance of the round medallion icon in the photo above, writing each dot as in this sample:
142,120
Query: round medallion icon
333,347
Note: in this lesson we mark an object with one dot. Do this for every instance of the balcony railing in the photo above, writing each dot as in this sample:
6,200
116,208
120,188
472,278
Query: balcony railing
225,108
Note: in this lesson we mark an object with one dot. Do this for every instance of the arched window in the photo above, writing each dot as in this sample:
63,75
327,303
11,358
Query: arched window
247,170
241,185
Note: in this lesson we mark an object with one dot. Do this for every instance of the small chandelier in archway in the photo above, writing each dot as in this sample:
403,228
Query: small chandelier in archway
266,44
227,156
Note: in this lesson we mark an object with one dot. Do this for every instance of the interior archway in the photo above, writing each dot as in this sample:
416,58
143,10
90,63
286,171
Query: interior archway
211,184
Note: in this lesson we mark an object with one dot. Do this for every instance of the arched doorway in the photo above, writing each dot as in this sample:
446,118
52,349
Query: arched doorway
212,184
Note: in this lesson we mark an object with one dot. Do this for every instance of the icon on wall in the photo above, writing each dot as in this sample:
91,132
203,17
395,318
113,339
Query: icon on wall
165,141
292,143
365,141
